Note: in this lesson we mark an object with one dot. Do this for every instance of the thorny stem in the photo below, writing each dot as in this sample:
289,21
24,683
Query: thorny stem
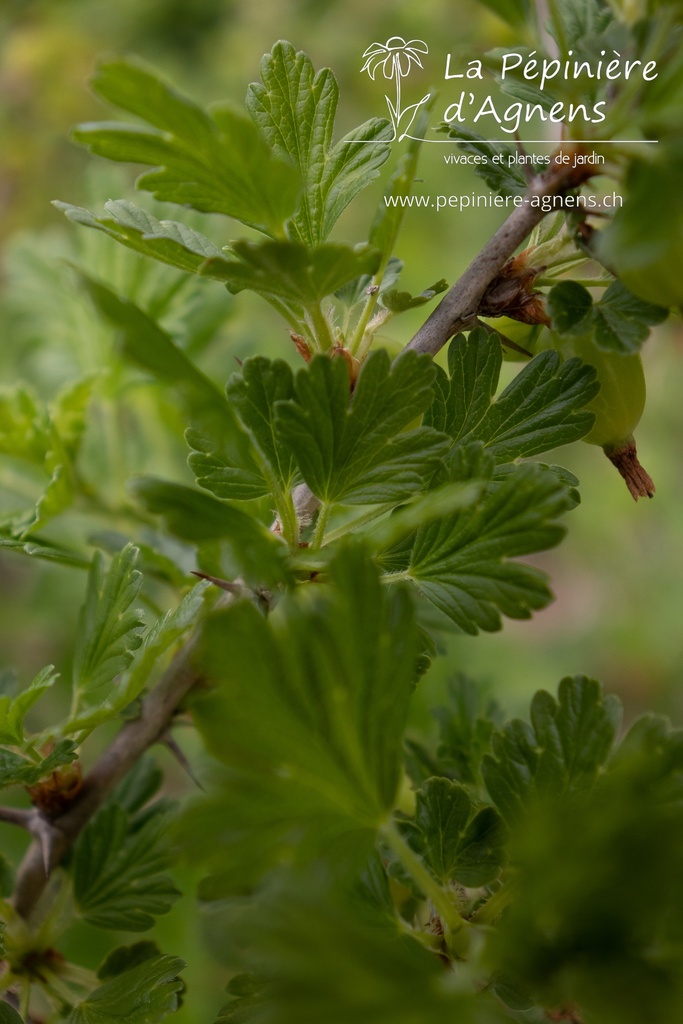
455,312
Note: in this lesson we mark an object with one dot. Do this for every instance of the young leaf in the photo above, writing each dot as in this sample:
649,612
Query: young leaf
117,869
461,565
559,754
17,769
109,629
457,842
144,994
351,450
289,270
219,473
14,710
314,750
160,639
163,240
540,409
295,109
215,163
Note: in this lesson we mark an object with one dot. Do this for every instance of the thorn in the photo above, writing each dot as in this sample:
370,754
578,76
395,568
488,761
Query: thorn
508,342
239,362
168,741
232,588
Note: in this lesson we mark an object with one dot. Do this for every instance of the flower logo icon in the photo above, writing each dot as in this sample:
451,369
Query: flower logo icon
396,58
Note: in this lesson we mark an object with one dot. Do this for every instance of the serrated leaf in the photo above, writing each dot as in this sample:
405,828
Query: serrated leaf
143,995
197,517
165,240
36,548
218,473
592,919
618,322
158,642
253,393
109,628
117,870
291,271
351,450
457,841
559,754
153,348
504,176
214,162
295,109
124,957
14,710
15,768
462,564
314,750
370,974
540,409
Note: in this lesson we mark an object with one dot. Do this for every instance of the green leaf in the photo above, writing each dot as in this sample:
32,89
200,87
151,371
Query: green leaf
643,243
8,1015
291,271
540,409
143,995
457,842
217,472
197,517
118,866
370,973
163,240
253,393
502,175
462,564
36,548
158,643
295,109
313,750
214,162
559,754
570,305
17,769
351,449
23,425
466,723
109,629
398,302
152,348
597,899
387,222
619,322
123,958
13,711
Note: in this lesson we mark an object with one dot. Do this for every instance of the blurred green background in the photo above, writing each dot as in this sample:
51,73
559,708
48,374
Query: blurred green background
617,576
